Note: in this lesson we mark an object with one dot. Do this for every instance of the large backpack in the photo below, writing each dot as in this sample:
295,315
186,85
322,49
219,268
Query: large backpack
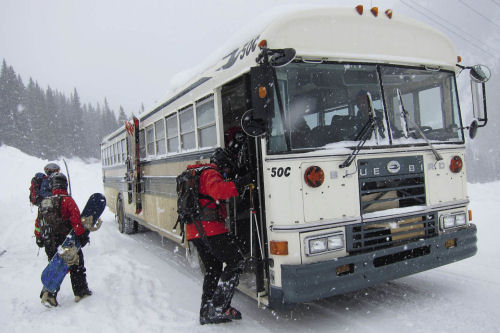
50,221
35,186
189,209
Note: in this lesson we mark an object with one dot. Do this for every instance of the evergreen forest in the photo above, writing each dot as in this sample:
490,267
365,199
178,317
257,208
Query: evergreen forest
48,124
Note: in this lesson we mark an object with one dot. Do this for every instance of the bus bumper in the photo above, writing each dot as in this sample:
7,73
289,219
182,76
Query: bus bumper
309,282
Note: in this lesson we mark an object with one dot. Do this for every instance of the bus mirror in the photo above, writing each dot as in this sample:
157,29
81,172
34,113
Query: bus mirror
282,57
473,129
480,73
478,92
253,123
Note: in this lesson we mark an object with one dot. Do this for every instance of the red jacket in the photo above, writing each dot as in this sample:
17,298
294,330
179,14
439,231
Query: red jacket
212,184
69,211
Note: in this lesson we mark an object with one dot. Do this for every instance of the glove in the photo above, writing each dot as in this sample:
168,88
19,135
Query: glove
39,242
243,181
83,238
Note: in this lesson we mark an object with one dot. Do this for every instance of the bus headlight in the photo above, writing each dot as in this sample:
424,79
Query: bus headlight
460,220
317,245
324,243
336,242
449,221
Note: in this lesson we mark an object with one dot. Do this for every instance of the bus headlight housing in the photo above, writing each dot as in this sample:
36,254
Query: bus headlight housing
449,221
324,243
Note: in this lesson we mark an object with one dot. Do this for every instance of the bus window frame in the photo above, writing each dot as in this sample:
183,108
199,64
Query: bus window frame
175,118
158,139
188,131
211,124
150,128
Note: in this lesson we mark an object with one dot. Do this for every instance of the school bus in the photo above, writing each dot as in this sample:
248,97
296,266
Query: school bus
351,123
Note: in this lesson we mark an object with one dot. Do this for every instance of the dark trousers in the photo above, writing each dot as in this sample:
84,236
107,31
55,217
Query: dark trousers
76,272
218,284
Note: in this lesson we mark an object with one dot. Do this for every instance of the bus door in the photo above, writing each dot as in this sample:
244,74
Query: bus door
133,174
245,210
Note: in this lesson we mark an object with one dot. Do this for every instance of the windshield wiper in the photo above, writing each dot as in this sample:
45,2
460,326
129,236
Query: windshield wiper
365,133
404,114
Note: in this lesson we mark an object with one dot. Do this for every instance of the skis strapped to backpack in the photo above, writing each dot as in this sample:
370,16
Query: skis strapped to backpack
189,209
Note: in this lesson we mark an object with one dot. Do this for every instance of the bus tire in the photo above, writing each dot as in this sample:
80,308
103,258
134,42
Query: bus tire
125,225
140,228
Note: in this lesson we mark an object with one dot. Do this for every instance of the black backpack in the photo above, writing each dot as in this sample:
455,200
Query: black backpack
50,221
189,209
35,186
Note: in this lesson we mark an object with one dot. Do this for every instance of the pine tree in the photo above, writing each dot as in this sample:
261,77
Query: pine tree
77,138
11,93
50,125
122,117
36,123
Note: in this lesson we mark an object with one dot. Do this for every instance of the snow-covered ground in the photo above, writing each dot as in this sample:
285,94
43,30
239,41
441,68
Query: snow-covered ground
144,284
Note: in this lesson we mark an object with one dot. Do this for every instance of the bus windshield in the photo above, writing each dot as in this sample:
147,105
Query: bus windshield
326,105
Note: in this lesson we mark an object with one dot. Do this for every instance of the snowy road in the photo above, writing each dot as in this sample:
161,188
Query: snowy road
143,284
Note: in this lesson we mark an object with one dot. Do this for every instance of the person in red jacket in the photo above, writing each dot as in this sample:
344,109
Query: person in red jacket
59,214
214,243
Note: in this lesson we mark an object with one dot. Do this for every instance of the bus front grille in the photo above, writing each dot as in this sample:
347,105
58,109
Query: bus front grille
382,187
372,236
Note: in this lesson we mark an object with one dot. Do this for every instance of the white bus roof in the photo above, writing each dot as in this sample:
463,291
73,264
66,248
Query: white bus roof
329,34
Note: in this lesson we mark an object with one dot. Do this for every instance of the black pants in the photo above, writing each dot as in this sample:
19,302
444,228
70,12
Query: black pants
76,272
220,249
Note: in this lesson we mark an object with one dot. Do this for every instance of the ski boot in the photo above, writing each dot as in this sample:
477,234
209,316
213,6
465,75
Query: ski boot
233,313
49,299
83,294
211,315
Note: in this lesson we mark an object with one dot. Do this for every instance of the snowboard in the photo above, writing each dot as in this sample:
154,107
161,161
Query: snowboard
53,275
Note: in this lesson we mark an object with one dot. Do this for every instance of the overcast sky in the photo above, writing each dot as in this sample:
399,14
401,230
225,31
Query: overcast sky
128,51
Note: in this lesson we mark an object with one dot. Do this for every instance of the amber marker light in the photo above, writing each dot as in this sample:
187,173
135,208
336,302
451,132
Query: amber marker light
262,44
470,215
314,176
459,58
450,243
456,164
345,269
374,11
262,92
359,9
388,13
278,248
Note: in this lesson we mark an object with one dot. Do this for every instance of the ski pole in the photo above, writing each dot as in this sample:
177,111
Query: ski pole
67,172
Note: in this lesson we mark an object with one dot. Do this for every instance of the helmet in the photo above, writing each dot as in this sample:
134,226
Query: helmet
51,168
58,181
221,158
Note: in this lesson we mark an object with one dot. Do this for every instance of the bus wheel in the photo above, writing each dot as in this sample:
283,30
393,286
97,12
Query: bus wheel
119,213
125,225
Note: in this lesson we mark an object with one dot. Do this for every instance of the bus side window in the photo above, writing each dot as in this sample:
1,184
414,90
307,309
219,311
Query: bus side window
186,121
142,145
172,134
205,122
150,141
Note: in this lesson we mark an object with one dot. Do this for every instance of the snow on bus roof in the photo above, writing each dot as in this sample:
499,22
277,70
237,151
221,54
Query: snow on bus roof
394,41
